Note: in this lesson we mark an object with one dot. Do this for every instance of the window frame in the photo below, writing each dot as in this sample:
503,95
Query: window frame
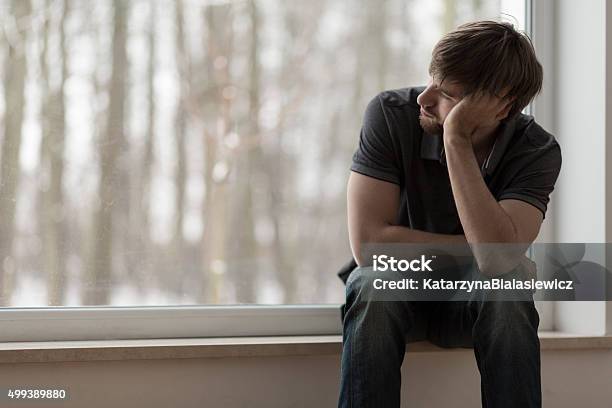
148,322
539,24
548,20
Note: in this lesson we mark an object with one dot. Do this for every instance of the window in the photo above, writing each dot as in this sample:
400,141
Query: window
193,152
159,154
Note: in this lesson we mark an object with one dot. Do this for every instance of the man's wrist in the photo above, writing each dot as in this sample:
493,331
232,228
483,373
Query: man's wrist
457,141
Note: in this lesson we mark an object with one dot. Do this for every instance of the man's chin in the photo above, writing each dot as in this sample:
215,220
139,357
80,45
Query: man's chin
430,126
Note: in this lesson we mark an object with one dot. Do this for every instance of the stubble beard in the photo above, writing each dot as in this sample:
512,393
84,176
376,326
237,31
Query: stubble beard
430,125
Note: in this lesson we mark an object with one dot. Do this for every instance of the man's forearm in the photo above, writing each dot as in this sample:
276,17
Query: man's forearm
484,221
482,218
399,234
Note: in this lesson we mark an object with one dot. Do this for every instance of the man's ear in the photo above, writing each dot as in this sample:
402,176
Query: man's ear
506,109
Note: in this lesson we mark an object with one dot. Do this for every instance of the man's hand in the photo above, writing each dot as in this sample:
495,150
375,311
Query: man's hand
472,112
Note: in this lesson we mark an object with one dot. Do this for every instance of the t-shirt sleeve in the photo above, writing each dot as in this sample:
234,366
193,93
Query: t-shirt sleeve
534,183
375,155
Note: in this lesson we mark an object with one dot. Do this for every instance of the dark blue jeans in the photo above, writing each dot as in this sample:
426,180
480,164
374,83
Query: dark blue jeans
503,334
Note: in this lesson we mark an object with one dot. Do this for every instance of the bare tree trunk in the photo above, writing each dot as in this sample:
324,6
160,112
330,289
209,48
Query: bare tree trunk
360,64
126,261
219,39
98,288
379,22
243,245
45,118
147,171
181,129
141,247
280,176
14,83
52,163
450,15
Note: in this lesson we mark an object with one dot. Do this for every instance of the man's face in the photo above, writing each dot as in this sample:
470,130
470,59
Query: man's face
436,102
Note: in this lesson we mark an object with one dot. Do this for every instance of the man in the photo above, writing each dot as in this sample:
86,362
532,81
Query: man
454,162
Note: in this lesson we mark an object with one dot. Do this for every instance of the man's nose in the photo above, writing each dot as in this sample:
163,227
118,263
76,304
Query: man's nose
425,98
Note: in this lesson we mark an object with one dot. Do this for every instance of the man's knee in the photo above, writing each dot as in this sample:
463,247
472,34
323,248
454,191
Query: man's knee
359,283
365,284
364,302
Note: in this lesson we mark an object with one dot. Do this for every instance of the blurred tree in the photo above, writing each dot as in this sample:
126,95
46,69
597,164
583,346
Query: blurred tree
10,169
125,259
143,257
97,288
180,126
242,242
378,21
218,20
278,164
450,15
270,96
53,111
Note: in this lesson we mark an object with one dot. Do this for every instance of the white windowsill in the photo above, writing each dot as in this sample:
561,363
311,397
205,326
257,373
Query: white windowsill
161,322
154,349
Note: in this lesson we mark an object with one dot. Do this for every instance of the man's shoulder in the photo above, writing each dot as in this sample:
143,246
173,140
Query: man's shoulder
534,135
532,144
401,97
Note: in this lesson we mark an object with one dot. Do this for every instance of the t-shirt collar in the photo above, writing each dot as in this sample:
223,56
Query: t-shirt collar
432,147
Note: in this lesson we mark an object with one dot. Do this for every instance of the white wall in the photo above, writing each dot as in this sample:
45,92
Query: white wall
580,120
608,114
431,379
579,103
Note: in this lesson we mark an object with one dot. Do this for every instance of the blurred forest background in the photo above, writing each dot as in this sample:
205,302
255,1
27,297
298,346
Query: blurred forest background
189,151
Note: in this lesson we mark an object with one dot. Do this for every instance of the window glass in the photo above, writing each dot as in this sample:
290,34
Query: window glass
193,152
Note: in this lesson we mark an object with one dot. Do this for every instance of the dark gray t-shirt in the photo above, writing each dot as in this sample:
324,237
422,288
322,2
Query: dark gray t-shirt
523,165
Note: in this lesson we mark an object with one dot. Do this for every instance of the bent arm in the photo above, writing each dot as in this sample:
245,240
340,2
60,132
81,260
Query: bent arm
498,232
372,207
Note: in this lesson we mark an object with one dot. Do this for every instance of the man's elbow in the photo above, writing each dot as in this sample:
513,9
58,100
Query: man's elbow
358,259
359,241
356,248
